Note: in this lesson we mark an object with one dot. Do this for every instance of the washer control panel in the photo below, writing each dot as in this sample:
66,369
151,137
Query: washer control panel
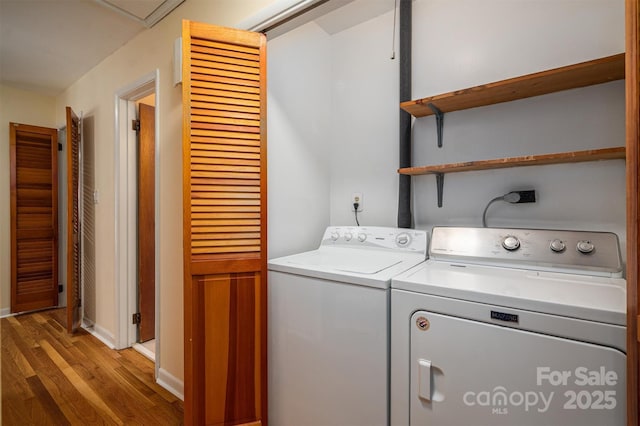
557,250
398,239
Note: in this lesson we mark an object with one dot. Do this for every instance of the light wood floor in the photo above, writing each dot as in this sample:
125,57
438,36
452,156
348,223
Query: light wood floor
52,378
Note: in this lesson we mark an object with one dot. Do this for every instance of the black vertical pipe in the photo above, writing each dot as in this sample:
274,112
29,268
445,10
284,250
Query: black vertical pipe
404,190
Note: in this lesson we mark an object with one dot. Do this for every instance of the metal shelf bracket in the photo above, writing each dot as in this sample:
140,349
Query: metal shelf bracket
440,187
439,120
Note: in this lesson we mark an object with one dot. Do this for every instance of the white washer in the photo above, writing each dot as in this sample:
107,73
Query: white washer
510,327
328,341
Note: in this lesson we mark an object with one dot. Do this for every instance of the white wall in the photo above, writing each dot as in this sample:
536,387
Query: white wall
298,122
364,123
18,106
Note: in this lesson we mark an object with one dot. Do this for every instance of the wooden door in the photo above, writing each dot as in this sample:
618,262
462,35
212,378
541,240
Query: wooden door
633,207
225,224
73,221
146,224
34,217
632,83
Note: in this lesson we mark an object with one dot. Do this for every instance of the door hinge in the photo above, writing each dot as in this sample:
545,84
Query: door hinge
59,146
136,318
135,125
60,288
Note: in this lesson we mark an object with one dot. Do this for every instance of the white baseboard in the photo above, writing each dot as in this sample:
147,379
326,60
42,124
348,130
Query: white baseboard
150,355
5,312
171,383
101,334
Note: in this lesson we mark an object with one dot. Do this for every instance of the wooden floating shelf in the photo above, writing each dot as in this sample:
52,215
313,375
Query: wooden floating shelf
588,73
528,160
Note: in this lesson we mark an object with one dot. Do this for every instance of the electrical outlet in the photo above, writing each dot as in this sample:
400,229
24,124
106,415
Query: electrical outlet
527,196
356,197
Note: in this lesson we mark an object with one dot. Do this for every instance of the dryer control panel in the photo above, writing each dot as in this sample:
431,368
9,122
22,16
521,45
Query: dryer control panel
583,252
396,239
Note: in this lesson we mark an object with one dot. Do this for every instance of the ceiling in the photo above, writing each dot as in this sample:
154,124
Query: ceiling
46,45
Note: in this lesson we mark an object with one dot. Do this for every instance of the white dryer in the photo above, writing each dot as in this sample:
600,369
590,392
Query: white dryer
328,344
510,327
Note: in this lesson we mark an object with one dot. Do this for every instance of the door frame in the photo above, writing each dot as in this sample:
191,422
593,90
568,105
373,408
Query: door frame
125,189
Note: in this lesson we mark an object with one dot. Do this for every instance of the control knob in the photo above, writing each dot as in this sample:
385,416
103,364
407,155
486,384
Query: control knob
557,246
403,239
585,247
362,237
511,243
335,235
348,236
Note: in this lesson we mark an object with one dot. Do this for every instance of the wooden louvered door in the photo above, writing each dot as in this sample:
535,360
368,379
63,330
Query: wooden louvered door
73,221
225,252
34,217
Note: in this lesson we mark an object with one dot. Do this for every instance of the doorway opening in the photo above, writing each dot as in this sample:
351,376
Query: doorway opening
137,244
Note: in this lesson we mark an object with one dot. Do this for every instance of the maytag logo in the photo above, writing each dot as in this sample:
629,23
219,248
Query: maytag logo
503,316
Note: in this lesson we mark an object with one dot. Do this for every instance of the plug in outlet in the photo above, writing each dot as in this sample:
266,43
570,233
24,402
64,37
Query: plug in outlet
356,198
527,196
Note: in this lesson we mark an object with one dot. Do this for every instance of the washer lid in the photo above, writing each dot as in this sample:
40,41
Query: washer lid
368,267
356,261
569,295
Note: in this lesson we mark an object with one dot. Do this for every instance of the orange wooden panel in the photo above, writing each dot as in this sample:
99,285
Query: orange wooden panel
224,228
632,83
146,224
231,307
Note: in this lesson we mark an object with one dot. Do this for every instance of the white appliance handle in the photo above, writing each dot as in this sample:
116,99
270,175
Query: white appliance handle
424,379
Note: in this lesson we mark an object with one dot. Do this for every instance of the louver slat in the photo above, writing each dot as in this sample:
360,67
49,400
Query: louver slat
218,127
